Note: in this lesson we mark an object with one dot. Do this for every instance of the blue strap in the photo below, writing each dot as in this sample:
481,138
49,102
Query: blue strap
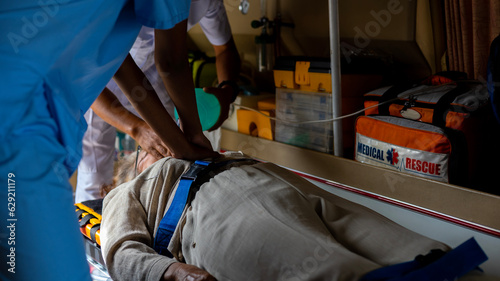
169,222
390,272
447,266
172,216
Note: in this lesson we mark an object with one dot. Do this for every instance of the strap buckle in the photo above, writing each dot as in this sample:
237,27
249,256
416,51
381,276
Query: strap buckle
195,170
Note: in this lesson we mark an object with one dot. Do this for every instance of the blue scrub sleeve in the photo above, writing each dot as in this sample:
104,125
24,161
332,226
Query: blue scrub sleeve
161,14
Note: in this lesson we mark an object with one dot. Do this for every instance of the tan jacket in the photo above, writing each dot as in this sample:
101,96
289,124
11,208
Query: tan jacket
136,209
253,222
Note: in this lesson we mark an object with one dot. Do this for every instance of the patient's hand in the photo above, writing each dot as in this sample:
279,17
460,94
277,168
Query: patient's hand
185,272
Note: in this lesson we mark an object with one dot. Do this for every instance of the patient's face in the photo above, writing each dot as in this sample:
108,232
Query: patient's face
144,161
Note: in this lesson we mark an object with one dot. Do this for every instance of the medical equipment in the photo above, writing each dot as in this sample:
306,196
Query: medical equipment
446,102
208,109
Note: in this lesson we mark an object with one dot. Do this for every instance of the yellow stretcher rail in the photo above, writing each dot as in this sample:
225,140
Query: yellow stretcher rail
95,220
88,210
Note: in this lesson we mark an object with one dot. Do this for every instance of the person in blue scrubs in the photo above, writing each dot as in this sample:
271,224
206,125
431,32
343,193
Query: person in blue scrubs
56,56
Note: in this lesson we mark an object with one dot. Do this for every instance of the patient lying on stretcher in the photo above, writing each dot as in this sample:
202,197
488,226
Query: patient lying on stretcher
249,221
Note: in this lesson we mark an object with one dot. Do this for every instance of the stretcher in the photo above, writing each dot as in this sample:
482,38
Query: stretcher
89,215
89,218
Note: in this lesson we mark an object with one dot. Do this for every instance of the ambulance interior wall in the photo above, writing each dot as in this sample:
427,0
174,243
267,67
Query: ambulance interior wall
400,31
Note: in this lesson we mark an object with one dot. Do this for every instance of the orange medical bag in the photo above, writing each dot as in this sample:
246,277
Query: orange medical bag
443,122
411,147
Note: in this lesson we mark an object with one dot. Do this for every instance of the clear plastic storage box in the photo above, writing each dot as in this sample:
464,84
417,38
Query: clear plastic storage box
298,106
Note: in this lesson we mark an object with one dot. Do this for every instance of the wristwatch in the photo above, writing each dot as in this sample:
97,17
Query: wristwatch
236,88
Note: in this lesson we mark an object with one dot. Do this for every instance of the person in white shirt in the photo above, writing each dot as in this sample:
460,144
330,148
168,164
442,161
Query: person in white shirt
113,110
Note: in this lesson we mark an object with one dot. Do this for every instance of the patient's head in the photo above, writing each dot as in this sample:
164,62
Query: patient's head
144,161
125,169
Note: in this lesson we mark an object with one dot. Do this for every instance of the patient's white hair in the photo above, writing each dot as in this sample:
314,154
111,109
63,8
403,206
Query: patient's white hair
124,171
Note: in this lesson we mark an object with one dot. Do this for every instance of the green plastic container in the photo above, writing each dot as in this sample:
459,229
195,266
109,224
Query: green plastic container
208,109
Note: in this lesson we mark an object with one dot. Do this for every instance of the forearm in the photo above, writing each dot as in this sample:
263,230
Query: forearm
109,108
173,68
131,81
181,90
228,68
227,61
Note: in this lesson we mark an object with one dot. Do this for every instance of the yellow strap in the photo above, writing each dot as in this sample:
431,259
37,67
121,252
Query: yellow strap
89,210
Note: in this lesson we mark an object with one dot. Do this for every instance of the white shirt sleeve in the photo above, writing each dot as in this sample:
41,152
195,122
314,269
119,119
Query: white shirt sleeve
213,20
